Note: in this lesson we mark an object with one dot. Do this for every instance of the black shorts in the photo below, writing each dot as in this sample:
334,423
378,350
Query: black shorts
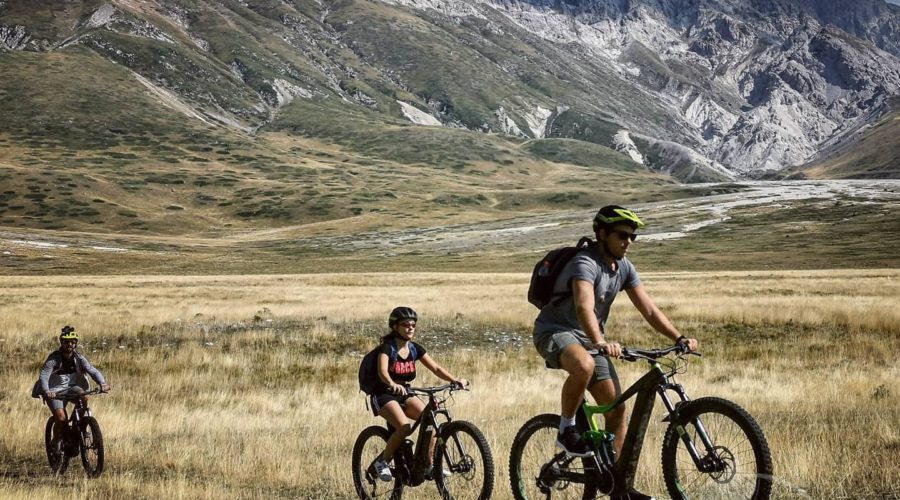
377,401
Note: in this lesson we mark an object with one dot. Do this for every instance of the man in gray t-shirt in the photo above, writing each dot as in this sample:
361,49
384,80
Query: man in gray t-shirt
588,265
568,328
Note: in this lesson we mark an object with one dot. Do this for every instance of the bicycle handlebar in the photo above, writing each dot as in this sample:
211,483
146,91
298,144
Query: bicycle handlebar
73,396
428,391
634,354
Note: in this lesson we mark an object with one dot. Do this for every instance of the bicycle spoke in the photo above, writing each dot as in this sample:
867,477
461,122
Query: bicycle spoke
539,470
738,465
368,447
463,467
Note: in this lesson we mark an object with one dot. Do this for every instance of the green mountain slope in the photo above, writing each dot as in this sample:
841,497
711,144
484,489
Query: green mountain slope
129,157
876,155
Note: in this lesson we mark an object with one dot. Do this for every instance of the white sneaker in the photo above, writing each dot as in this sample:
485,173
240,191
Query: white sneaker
383,470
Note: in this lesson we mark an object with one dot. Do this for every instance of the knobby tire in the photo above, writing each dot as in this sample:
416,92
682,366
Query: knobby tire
369,445
463,451
92,451
740,443
57,458
533,448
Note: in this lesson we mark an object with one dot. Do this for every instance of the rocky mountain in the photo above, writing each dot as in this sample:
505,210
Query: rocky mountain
700,89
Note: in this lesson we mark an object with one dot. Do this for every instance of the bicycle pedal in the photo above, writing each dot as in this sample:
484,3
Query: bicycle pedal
371,475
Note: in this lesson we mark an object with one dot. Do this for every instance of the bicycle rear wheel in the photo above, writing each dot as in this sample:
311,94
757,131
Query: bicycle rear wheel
368,447
739,465
92,452
463,464
537,469
56,452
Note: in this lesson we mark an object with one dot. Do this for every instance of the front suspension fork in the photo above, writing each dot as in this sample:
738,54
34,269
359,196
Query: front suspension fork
710,462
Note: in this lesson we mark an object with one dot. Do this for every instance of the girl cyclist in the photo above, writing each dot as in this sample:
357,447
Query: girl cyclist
396,371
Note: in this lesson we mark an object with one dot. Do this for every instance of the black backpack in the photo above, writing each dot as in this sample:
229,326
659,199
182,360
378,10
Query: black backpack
368,367
548,269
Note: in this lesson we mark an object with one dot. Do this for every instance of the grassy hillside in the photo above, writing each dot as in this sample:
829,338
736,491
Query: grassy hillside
875,155
130,165
129,157
198,137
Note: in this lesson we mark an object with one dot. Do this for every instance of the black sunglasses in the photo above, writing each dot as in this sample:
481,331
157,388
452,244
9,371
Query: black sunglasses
624,235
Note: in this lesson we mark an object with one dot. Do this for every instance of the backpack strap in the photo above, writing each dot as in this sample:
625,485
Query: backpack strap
395,351
584,243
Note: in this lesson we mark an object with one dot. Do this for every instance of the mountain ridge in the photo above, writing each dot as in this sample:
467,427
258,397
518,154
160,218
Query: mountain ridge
240,113
715,76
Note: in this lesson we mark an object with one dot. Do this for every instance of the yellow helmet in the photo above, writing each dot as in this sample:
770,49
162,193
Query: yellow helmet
614,214
68,333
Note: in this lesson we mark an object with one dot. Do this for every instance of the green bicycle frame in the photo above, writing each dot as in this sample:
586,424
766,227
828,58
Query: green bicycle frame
644,391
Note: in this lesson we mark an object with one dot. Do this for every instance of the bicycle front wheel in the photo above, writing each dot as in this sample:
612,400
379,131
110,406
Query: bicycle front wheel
368,447
537,469
56,452
463,464
735,462
91,447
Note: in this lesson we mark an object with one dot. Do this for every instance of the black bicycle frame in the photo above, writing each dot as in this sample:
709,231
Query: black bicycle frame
427,424
73,420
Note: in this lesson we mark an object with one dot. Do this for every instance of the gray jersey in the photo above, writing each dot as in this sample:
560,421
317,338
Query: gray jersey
587,265
54,378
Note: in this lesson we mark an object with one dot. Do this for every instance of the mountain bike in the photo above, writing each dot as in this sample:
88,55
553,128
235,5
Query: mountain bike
712,448
81,435
463,465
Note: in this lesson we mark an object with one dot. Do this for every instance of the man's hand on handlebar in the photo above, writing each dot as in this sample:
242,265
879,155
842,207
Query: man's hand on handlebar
691,344
611,349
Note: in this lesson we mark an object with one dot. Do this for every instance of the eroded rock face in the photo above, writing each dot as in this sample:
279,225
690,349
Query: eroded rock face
759,85
14,37
753,86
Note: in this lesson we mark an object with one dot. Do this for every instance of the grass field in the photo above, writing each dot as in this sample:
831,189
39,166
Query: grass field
243,386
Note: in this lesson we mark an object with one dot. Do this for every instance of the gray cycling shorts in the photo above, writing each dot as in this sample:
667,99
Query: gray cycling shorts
551,347
57,404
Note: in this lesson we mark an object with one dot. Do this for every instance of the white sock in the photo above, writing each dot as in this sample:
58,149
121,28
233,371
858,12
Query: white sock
566,422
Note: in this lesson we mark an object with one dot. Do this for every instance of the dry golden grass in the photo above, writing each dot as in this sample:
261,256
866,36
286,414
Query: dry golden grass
245,387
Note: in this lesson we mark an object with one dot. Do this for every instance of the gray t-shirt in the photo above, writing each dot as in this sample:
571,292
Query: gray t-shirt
587,265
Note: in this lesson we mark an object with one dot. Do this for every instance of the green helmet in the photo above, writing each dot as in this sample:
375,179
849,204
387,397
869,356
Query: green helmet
614,214
68,333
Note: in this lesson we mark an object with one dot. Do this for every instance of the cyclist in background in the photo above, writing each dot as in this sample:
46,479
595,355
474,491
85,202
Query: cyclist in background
64,373
568,328
396,371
